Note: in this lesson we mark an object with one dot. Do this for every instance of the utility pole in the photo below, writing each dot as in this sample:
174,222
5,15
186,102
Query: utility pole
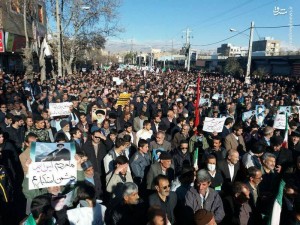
250,51
187,46
59,46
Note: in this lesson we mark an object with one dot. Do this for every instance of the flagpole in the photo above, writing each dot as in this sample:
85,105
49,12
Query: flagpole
197,116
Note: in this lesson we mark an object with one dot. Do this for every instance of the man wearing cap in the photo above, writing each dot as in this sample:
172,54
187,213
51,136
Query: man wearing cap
60,153
65,129
164,166
92,177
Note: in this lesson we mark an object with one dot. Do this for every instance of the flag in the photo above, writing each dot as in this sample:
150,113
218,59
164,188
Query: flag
275,216
195,159
285,141
197,116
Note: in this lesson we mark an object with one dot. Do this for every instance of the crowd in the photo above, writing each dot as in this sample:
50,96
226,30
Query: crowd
139,165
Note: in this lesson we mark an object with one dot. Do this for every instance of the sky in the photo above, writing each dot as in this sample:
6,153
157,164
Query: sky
162,23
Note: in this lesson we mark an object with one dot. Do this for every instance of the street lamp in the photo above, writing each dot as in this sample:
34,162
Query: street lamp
247,77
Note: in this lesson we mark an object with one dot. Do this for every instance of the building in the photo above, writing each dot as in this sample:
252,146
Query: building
266,47
12,35
229,50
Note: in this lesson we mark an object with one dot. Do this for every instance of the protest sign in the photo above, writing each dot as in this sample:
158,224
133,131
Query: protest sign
60,109
124,98
259,114
53,164
247,115
204,101
285,109
279,122
213,124
217,96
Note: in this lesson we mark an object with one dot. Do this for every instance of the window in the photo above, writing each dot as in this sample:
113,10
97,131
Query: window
41,14
15,6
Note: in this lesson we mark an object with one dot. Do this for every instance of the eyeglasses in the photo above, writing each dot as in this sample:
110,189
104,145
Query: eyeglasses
166,187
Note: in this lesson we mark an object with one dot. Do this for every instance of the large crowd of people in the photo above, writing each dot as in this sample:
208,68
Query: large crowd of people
148,161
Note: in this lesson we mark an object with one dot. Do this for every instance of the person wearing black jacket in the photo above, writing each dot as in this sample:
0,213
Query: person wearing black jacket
128,210
181,157
284,156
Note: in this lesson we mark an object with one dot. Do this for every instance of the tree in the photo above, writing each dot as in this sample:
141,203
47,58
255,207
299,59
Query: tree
85,24
129,58
32,47
233,67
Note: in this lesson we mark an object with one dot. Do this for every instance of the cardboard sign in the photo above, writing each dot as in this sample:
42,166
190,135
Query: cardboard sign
53,164
60,109
213,124
279,122
124,99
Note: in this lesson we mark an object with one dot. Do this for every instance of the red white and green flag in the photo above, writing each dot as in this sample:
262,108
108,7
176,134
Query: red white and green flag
276,212
286,133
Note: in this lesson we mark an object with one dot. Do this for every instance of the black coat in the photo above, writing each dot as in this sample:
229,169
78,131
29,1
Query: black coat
168,206
97,162
179,159
124,214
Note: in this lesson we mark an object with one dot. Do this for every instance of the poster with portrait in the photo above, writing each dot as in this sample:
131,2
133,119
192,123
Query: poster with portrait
248,115
156,153
98,114
260,114
53,164
285,110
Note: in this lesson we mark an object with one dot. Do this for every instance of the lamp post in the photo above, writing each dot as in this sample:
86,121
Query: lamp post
247,77
59,46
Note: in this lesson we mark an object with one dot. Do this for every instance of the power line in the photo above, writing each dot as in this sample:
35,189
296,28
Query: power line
271,27
275,27
224,39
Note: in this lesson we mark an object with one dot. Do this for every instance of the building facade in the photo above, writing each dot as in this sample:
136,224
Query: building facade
229,50
266,47
12,31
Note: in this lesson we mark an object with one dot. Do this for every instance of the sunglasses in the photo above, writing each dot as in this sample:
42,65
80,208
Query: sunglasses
183,148
97,137
166,187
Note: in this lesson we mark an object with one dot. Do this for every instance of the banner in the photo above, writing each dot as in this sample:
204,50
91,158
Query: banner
124,99
53,164
213,124
2,49
247,115
60,109
279,121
